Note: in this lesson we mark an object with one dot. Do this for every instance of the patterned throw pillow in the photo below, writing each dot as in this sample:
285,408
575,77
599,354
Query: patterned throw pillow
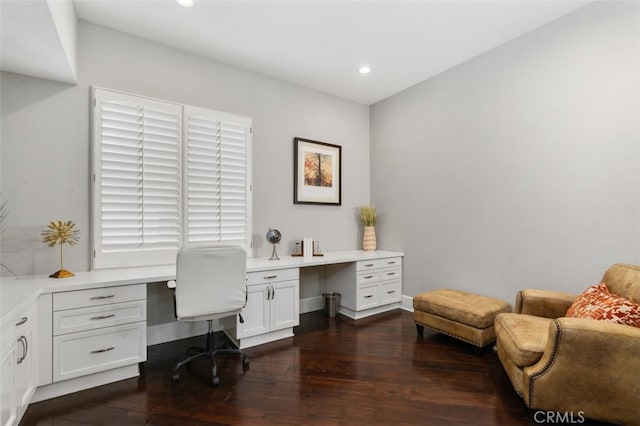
598,303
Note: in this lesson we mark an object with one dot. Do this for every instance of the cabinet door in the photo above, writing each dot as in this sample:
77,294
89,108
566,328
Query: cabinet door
7,389
26,367
256,313
285,305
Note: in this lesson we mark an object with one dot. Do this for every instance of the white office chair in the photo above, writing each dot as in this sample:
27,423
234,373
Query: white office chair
210,283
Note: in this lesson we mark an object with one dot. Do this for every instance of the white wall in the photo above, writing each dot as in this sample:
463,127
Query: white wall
518,168
46,146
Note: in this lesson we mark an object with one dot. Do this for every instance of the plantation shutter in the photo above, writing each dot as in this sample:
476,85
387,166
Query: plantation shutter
217,181
136,188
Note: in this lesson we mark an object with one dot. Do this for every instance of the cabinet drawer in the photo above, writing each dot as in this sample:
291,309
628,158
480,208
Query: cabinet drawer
390,261
81,319
98,296
367,296
365,265
87,352
265,277
390,292
391,274
368,277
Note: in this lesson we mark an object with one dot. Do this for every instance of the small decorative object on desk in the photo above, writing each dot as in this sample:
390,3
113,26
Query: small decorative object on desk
59,233
316,249
307,247
297,249
368,216
274,236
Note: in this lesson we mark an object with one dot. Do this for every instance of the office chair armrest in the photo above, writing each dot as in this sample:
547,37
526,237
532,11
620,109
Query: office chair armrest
171,284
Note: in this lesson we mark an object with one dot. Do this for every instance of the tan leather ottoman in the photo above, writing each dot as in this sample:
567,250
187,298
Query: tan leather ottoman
465,316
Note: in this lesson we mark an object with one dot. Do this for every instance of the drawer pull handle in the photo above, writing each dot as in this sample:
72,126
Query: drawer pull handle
369,296
393,262
98,351
367,277
102,297
22,321
369,265
391,273
270,277
101,317
391,292
25,346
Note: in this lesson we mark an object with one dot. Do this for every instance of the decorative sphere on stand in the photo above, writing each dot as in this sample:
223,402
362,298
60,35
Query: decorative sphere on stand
274,236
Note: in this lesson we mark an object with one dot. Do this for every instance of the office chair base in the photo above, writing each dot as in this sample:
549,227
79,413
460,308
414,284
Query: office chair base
209,352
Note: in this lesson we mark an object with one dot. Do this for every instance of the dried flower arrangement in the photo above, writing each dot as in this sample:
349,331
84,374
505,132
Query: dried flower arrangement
60,233
368,215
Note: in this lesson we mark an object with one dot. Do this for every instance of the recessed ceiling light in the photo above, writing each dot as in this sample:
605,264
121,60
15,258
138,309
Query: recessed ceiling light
185,3
364,69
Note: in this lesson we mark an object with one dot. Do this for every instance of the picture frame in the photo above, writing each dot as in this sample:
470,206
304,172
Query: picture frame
317,172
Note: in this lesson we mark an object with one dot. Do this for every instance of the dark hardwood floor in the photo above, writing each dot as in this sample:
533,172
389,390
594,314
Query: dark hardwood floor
334,371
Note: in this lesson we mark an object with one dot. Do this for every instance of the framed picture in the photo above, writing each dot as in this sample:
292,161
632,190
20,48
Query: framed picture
317,170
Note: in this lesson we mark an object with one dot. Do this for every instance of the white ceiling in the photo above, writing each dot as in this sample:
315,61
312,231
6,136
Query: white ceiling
37,39
321,44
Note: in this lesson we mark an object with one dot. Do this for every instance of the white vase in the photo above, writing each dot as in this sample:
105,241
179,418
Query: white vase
369,238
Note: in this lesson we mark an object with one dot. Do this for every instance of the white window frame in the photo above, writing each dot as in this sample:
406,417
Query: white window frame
153,256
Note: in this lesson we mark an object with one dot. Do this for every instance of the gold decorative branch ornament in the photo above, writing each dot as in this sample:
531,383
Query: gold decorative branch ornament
60,233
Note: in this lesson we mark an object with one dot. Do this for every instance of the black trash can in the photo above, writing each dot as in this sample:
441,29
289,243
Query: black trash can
331,303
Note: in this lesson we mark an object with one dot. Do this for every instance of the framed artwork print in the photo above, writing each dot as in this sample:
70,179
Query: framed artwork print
317,168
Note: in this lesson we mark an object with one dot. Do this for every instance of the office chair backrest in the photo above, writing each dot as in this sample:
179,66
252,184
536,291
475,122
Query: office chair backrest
210,280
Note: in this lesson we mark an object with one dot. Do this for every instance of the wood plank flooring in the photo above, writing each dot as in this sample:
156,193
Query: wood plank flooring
335,371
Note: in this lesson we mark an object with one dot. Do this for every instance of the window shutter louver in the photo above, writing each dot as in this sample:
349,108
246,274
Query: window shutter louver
161,180
121,171
217,180
137,188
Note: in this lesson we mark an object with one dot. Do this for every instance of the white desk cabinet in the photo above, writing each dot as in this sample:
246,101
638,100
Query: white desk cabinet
17,365
367,287
90,336
98,329
272,309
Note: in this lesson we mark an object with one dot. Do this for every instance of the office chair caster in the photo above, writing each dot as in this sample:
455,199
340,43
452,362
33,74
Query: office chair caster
215,381
175,378
245,361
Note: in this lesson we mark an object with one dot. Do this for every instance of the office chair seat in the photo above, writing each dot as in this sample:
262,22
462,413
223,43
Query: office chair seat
210,284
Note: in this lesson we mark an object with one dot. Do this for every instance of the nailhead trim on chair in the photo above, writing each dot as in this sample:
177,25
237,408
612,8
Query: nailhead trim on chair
547,365
453,335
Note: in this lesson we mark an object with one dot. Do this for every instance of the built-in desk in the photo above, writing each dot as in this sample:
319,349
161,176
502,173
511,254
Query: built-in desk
90,329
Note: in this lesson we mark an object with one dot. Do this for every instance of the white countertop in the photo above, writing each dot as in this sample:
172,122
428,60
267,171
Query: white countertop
15,294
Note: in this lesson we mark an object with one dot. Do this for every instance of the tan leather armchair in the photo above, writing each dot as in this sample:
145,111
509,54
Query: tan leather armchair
573,365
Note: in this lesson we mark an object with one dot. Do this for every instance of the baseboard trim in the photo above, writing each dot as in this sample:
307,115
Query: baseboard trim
168,332
356,315
65,387
407,303
310,304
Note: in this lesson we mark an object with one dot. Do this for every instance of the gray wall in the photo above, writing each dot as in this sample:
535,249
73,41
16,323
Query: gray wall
46,149
518,168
